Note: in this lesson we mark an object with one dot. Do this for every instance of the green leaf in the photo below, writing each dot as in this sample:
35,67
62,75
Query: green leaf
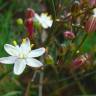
13,93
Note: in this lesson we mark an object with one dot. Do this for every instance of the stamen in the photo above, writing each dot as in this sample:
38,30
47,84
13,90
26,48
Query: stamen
24,40
46,14
15,43
31,45
57,20
50,17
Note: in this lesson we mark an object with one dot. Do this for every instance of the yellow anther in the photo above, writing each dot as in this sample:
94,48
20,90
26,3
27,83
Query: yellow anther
46,14
50,17
57,20
31,45
24,40
15,43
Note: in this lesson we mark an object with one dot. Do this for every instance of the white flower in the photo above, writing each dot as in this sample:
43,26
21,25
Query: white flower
21,56
44,20
94,12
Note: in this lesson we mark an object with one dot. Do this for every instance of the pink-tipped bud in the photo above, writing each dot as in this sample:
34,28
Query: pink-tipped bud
92,2
30,13
29,27
69,35
79,61
90,25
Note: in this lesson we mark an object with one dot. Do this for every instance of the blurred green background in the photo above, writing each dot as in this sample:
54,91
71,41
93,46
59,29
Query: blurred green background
11,85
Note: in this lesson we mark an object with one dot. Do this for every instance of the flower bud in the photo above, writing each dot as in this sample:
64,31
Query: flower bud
62,49
30,13
90,24
29,27
15,43
49,59
69,35
92,2
84,3
19,21
29,21
79,61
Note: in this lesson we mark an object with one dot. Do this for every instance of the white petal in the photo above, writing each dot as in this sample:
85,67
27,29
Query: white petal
49,23
44,24
36,52
33,62
12,50
8,60
46,20
19,66
94,12
25,46
37,17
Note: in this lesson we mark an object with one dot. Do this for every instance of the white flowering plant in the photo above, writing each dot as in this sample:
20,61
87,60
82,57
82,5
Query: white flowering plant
56,49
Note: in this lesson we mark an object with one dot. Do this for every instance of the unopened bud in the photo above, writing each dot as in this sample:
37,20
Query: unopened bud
49,59
19,21
79,61
15,43
30,13
90,25
92,3
29,27
69,35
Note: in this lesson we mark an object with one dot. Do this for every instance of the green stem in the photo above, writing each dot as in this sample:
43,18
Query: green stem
81,87
54,8
41,84
27,90
80,45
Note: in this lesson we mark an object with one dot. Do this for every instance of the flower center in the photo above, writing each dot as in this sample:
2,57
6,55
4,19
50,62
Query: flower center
22,56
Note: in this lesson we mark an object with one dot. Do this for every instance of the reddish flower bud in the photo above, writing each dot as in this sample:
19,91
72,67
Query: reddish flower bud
90,25
84,3
29,27
79,61
69,35
92,2
29,21
30,13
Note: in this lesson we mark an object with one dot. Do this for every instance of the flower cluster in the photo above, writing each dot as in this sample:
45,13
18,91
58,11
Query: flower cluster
57,50
32,17
22,55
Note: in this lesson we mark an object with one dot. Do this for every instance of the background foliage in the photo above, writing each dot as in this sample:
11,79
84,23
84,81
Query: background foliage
58,80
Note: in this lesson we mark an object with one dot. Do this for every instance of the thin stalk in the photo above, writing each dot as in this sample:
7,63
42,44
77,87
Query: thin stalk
34,75
27,90
41,84
54,8
69,78
81,87
80,45
70,84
